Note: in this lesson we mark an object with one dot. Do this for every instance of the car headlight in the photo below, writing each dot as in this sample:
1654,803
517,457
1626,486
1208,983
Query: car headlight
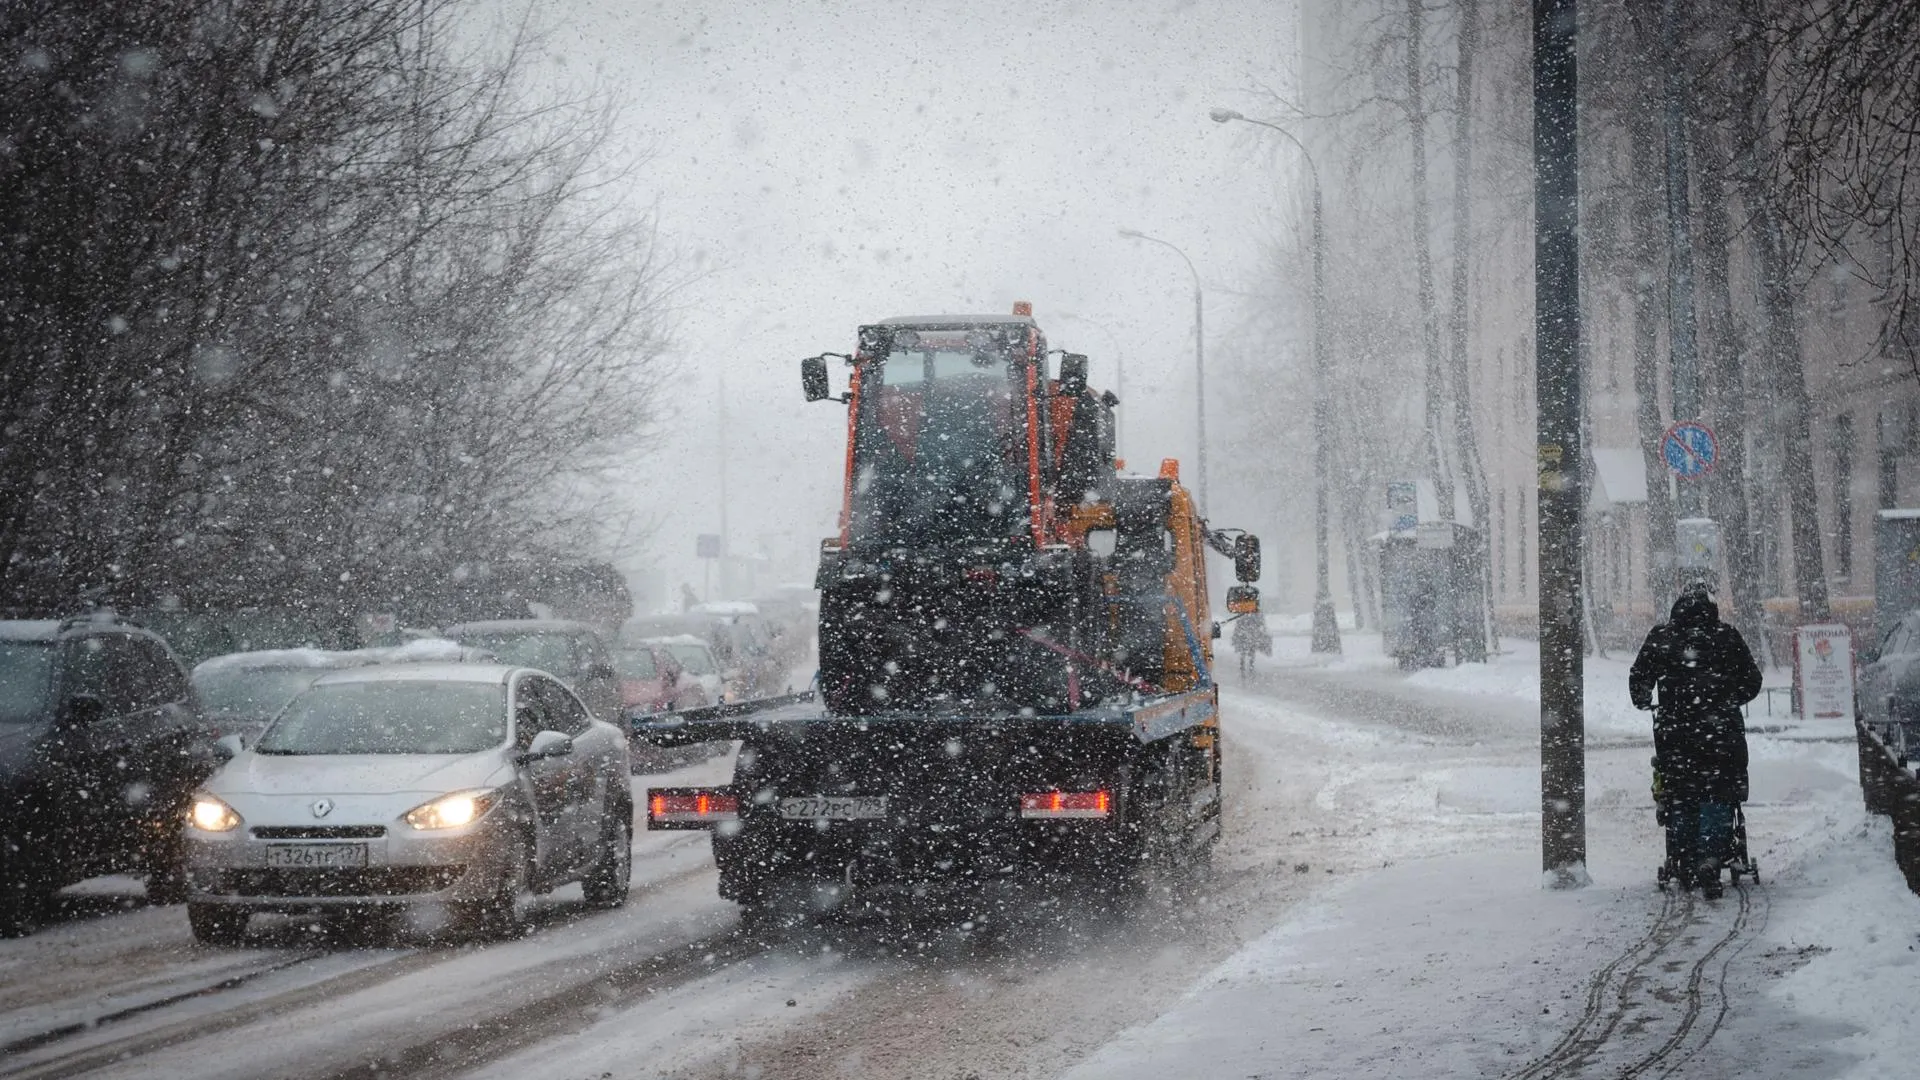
209,814
452,811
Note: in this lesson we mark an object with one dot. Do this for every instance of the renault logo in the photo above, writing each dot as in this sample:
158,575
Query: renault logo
322,807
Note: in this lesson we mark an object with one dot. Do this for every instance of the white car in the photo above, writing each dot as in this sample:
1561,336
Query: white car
459,785
696,659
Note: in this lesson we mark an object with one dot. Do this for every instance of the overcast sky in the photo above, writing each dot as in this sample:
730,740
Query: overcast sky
821,164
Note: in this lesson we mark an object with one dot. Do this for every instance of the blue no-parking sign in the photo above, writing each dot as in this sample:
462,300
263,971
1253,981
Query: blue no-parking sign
1689,449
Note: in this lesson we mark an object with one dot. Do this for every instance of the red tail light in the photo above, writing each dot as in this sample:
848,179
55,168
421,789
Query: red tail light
1066,804
690,807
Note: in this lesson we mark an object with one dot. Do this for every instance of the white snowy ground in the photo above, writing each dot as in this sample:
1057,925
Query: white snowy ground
1451,960
1375,910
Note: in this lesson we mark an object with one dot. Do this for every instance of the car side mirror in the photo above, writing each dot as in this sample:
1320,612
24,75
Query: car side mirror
547,744
813,378
599,671
83,709
1073,374
1246,557
228,747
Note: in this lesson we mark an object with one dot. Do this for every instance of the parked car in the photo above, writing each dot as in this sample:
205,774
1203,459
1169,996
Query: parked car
461,786
1889,675
571,651
241,693
696,659
739,638
652,679
101,746
197,635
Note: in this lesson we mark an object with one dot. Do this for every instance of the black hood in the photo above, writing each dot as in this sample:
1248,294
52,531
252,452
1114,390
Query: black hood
1695,609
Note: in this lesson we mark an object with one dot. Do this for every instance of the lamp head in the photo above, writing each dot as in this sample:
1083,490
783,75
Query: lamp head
1221,116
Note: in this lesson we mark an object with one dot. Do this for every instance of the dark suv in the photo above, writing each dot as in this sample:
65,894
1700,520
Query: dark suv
100,747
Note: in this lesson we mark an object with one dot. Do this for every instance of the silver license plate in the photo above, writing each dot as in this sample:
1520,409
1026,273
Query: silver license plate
316,856
834,807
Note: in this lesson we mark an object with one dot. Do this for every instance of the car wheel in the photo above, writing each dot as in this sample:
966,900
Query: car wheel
606,884
167,873
498,915
167,885
216,924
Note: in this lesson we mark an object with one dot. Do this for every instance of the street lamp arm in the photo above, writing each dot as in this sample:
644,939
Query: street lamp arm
1222,116
1135,234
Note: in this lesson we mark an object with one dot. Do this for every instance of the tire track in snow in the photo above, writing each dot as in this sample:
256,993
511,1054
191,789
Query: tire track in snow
321,986
1696,979
1616,993
1606,1003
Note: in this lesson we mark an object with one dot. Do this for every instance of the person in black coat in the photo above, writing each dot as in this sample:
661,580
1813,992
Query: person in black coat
1703,673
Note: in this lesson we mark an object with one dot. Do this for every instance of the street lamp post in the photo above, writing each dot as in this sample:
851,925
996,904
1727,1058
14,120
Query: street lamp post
1326,628
1199,357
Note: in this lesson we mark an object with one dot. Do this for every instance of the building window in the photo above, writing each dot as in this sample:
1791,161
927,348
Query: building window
1892,434
1521,504
1500,499
1842,447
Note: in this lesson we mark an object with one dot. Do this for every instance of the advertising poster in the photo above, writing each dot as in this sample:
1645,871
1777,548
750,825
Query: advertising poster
1823,670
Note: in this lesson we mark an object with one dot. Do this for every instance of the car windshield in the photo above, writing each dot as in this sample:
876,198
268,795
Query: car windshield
254,692
398,717
636,664
549,652
696,659
26,681
941,446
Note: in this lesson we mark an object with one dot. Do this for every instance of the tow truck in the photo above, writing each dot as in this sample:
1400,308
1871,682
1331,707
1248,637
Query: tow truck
1016,646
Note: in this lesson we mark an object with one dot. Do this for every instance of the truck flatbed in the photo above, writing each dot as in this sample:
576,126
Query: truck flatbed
1150,719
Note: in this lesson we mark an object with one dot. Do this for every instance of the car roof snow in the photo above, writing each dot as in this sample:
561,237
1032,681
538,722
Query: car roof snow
423,672
956,320
419,650
519,626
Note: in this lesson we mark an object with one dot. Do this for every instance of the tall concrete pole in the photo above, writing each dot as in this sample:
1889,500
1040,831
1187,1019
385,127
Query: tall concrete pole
1199,362
1561,457
1326,628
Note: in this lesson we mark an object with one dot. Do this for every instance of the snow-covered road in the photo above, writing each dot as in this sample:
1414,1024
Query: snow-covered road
1374,909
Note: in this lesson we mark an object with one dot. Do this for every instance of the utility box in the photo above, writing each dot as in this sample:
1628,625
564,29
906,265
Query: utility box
1896,565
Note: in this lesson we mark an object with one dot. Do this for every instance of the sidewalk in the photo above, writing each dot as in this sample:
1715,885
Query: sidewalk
1461,966
1454,962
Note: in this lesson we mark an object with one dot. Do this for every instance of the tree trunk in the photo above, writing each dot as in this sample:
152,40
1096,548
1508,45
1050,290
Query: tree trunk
1726,401
1779,327
1423,270
1463,433
1645,223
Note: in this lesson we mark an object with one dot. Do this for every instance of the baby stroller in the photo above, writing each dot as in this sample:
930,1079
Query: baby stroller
1689,862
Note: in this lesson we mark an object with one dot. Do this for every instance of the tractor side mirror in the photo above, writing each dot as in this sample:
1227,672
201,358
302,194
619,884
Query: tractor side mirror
1243,600
1246,557
813,378
1073,374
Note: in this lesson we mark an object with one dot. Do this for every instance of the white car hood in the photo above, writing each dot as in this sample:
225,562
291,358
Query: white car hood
359,774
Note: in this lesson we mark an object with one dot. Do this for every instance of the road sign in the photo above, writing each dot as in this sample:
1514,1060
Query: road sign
1690,449
707,546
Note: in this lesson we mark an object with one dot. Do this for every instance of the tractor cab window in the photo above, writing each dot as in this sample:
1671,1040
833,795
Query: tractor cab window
940,450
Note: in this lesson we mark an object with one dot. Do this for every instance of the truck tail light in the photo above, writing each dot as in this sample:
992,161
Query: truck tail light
690,808
1066,804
